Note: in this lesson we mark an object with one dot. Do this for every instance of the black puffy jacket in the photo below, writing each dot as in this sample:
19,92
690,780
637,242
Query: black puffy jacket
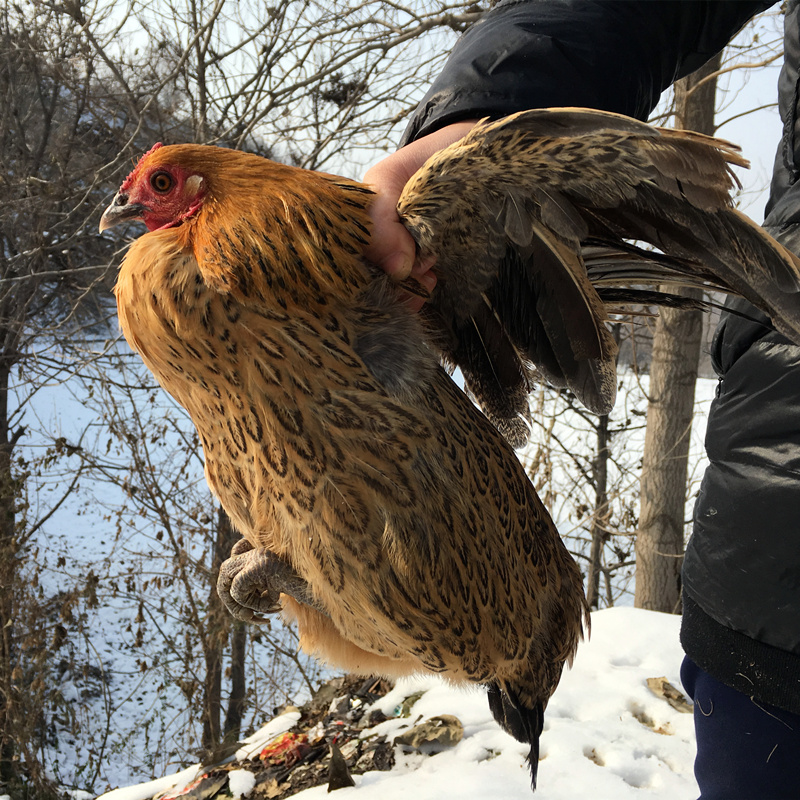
741,618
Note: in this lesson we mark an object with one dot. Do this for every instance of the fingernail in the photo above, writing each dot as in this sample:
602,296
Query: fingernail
397,265
428,281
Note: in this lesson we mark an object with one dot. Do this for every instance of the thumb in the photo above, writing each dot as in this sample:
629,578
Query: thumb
391,247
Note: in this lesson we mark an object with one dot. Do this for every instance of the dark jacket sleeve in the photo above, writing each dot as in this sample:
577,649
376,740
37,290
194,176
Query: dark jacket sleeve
605,54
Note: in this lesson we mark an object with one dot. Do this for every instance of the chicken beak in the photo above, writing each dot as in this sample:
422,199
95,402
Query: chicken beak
120,210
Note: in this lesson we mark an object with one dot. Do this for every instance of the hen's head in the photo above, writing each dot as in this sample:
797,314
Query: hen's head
162,191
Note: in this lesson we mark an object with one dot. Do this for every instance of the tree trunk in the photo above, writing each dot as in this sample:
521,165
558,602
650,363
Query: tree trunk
218,628
600,517
231,731
673,374
10,730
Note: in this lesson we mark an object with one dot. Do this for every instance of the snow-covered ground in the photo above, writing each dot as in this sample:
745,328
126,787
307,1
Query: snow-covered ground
607,735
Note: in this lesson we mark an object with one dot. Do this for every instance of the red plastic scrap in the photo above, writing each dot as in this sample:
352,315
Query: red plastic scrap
285,749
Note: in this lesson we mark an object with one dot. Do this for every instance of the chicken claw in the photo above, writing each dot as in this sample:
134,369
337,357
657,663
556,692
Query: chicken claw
251,581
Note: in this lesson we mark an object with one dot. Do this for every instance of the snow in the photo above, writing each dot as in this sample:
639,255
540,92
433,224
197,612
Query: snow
253,745
607,736
133,724
240,783
143,791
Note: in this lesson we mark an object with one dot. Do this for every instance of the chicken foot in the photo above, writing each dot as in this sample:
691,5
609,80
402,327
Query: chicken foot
251,581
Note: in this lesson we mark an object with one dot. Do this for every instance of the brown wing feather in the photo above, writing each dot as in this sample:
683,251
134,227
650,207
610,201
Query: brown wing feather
507,210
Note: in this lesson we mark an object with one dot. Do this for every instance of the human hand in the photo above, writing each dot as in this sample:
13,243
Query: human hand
392,248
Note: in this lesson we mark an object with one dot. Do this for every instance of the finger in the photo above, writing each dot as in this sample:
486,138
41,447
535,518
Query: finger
427,280
391,247
422,272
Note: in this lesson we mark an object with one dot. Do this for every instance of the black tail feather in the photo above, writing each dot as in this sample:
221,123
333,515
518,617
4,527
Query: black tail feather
524,724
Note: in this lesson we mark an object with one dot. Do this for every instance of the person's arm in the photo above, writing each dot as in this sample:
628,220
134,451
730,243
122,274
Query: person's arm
604,54
613,55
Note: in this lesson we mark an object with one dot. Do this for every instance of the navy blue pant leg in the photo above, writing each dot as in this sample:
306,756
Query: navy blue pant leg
746,750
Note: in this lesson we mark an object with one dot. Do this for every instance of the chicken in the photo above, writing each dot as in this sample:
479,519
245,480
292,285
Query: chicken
380,509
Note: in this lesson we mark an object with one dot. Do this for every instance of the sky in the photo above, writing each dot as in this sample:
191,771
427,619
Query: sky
757,133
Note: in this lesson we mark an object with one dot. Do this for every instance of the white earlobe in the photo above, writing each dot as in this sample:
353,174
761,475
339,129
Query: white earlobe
194,184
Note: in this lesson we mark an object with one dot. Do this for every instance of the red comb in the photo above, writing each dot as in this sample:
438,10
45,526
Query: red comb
127,182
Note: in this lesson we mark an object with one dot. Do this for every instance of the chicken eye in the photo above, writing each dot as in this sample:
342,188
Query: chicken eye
161,182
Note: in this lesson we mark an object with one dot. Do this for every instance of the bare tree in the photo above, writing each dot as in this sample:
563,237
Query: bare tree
50,264
87,87
310,83
673,374
586,468
169,540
